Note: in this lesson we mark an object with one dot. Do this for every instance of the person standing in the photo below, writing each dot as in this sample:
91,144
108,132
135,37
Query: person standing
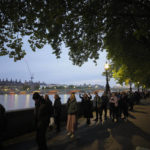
57,111
114,107
2,124
124,105
72,115
97,105
50,104
87,107
42,113
104,104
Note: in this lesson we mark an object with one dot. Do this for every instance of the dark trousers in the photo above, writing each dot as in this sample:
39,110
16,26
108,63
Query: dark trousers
103,109
97,112
88,120
125,111
57,122
41,138
114,112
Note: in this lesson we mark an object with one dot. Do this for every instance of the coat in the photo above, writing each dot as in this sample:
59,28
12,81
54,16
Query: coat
72,106
42,114
88,108
57,107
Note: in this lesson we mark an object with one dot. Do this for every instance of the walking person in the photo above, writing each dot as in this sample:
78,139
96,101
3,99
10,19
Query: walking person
57,111
72,115
42,114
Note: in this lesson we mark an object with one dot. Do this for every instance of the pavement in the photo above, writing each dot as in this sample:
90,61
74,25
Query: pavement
133,134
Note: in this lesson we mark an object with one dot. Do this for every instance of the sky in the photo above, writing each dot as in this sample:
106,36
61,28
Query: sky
44,67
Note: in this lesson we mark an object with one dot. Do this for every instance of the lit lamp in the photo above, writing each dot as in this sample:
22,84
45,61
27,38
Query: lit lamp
106,67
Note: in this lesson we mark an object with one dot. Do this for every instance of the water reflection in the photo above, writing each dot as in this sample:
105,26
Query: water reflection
16,101
13,102
65,98
27,102
5,100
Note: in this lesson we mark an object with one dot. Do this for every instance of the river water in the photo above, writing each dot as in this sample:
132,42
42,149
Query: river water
15,102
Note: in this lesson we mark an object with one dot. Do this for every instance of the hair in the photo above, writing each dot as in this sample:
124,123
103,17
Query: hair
56,96
95,93
46,97
85,95
72,96
36,95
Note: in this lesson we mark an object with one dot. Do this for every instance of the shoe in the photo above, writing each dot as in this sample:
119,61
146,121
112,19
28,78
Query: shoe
69,133
72,136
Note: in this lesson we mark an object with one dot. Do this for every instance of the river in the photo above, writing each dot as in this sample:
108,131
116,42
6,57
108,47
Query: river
16,101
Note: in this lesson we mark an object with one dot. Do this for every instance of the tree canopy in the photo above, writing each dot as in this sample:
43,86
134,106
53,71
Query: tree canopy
122,27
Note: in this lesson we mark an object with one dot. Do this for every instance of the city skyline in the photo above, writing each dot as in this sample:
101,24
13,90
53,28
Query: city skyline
43,66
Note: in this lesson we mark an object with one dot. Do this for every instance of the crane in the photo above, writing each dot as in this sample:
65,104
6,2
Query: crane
31,75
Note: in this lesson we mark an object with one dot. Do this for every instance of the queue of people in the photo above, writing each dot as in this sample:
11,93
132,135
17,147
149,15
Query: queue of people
118,105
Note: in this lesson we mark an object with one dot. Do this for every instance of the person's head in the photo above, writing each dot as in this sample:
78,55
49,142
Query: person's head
56,96
85,95
46,97
36,96
72,96
95,93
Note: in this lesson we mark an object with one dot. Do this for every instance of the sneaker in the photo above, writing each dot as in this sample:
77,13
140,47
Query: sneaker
69,133
72,136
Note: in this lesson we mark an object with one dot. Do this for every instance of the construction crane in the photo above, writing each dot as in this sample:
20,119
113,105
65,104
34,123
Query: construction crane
31,75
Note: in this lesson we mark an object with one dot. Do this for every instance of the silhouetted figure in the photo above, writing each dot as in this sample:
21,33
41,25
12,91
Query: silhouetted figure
42,114
50,103
57,111
124,105
2,124
131,100
97,104
87,107
72,115
113,102
103,107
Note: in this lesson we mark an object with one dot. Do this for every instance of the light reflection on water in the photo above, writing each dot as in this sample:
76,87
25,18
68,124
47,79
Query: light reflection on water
14,102
27,102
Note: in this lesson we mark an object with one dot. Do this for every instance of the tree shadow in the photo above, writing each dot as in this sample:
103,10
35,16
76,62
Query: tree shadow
139,112
131,116
125,132
85,137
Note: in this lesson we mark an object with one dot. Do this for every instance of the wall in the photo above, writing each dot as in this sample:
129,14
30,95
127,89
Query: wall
22,121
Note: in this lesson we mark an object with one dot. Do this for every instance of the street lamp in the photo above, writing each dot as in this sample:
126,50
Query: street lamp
138,86
106,67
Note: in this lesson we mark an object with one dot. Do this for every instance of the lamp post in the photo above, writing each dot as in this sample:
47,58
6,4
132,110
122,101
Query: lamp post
107,89
138,86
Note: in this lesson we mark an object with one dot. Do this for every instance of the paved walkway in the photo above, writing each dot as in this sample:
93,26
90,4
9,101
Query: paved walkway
129,135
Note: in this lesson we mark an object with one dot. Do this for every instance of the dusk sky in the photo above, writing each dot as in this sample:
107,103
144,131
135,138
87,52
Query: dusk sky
46,68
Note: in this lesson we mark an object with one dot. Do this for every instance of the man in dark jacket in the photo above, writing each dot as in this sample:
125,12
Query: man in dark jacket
42,115
103,107
57,111
2,123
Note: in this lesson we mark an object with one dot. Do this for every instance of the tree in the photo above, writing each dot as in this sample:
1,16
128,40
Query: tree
85,26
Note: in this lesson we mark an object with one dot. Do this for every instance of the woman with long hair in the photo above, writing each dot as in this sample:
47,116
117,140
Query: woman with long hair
71,118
